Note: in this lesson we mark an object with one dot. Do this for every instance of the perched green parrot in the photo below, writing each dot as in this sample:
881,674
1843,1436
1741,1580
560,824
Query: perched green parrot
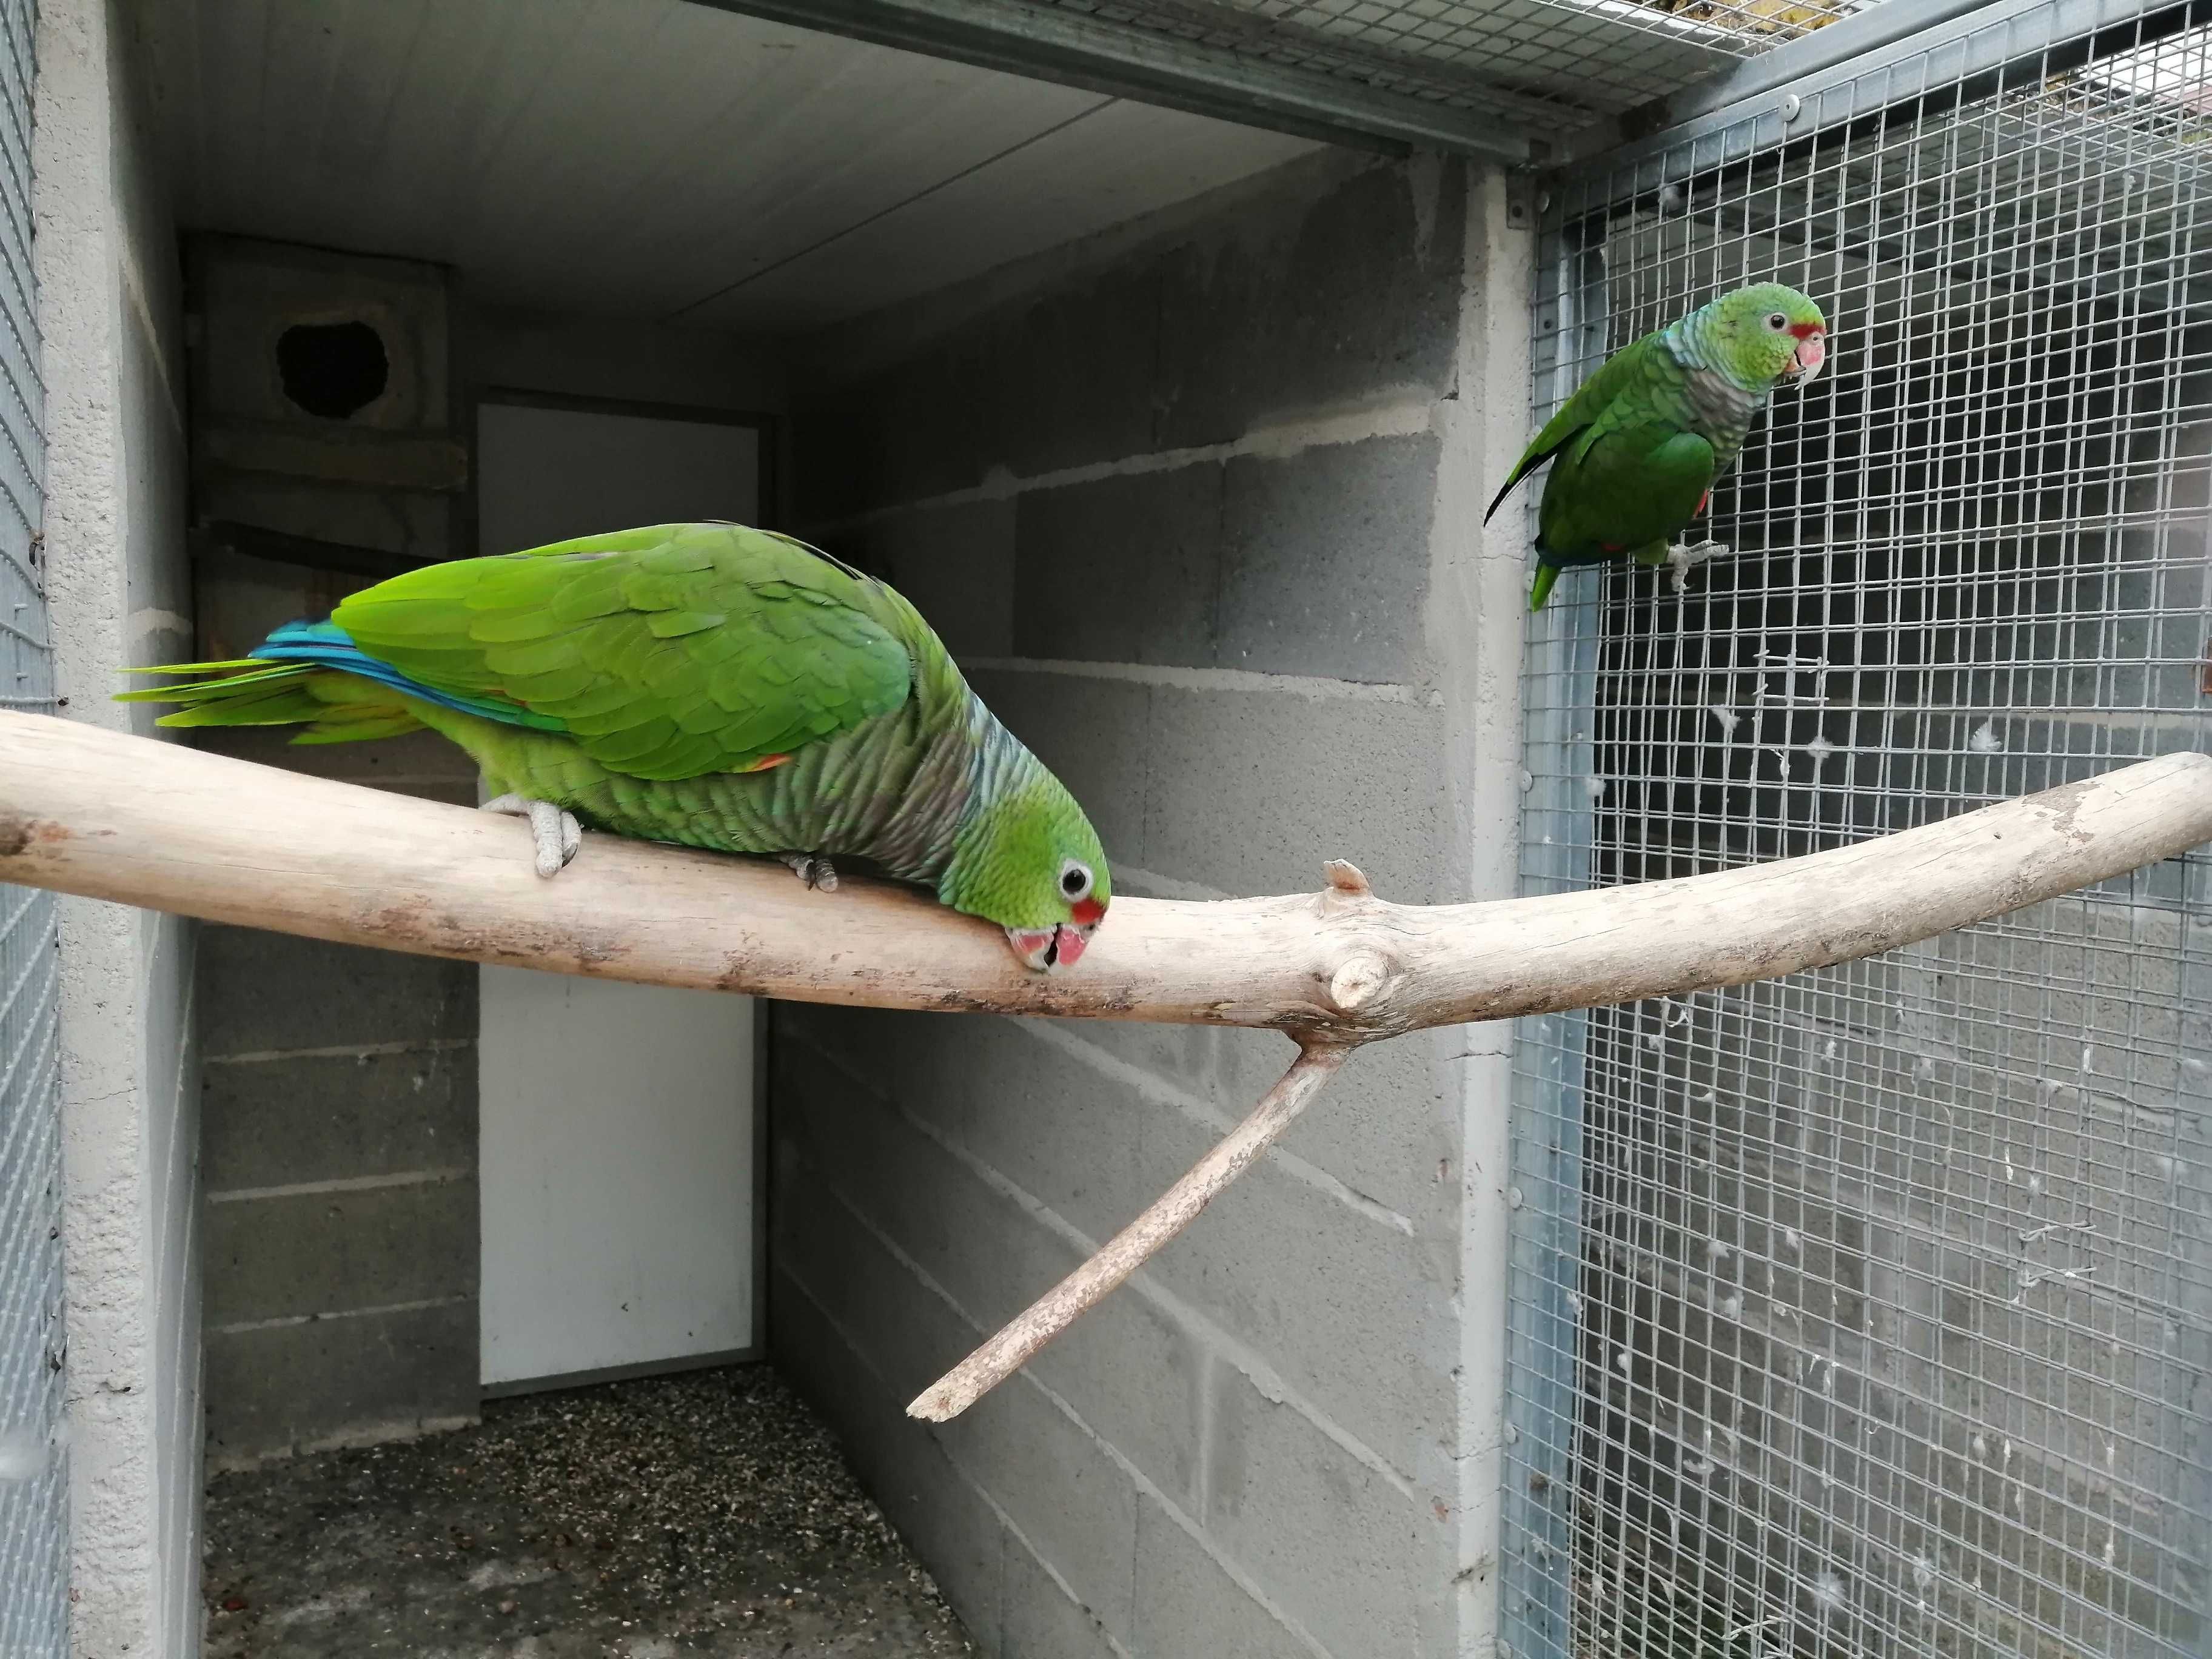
702,684
1637,450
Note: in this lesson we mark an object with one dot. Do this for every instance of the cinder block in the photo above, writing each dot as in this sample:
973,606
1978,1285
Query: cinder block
1042,1622
919,1052
1387,1128
1248,791
955,563
263,991
1080,361
273,1390
1186,1604
1354,1314
900,1463
1326,292
1325,561
1128,1368
275,1122
1327,1540
920,427
1125,569
333,1252
1222,786
1061,1490
1060,1130
898,1327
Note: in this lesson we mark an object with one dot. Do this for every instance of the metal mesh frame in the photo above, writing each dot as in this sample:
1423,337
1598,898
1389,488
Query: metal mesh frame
34,1515
1868,1311
1557,64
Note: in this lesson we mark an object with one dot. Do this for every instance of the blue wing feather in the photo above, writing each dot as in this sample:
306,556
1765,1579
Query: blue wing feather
328,646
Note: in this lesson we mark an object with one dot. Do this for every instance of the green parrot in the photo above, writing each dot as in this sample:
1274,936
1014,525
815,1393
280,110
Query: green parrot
703,683
1637,450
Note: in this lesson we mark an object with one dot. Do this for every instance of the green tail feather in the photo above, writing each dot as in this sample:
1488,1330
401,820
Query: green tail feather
207,667
1546,575
334,707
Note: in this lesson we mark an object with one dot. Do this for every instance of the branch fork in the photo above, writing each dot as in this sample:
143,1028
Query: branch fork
95,812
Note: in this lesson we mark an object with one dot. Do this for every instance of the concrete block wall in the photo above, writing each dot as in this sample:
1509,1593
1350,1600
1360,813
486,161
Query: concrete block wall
110,322
338,1154
1196,504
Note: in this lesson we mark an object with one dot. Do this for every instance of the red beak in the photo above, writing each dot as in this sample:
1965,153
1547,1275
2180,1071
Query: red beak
1047,949
1812,350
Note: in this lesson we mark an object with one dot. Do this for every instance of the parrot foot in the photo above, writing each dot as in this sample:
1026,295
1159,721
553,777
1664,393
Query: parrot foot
814,869
1682,555
556,832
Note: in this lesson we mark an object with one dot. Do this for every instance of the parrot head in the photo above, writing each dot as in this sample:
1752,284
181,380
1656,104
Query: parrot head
1030,861
1767,331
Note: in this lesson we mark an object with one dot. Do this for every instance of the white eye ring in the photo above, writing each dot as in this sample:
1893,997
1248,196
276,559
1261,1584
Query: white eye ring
1777,321
1075,879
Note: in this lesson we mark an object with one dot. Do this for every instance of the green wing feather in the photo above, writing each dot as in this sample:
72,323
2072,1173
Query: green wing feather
1618,375
669,652
1633,479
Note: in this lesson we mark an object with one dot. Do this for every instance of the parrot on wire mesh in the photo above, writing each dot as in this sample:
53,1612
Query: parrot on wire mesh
703,683
1636,452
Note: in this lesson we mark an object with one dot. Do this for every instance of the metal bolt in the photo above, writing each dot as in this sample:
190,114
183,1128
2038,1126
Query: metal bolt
1513,1198
1792,106
1512,1434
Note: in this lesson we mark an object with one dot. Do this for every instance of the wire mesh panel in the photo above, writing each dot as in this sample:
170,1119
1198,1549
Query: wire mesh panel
1868,1311
1556,64
34,1522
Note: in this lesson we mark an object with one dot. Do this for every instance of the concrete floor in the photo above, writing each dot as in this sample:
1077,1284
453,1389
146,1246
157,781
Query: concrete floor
708,1513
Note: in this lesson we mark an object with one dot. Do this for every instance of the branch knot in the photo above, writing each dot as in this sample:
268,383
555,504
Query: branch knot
1357,981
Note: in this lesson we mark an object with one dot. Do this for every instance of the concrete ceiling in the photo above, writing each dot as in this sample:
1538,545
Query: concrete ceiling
650,158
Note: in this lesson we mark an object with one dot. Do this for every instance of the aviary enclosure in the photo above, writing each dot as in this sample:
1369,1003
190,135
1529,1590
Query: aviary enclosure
1868,1310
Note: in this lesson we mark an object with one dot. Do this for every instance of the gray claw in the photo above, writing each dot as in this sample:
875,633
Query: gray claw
555,834
1686,554
814,869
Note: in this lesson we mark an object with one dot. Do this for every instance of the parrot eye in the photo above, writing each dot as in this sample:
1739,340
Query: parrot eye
1075,879
1777,321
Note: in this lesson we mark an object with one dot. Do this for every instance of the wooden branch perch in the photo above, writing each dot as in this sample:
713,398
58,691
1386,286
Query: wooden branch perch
90,812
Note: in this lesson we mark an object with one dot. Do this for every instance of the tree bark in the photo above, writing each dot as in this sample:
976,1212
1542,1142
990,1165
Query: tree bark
95,812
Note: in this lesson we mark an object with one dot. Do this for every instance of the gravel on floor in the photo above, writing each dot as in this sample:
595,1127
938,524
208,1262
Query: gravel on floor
708,1513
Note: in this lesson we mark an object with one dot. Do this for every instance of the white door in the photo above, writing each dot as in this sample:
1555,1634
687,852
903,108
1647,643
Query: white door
617,1144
